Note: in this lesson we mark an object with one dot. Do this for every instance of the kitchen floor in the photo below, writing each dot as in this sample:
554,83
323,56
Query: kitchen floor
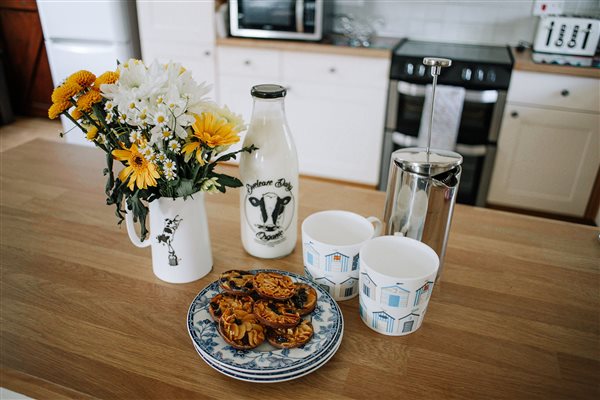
25,129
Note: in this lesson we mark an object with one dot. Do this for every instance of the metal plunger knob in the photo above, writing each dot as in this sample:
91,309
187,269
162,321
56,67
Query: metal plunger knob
436,65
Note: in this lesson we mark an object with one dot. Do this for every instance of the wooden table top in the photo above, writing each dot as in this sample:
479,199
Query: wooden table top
516,314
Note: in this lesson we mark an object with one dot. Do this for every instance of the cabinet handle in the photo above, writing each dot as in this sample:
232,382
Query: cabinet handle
564,93
247,62
332,70
207,53
514,114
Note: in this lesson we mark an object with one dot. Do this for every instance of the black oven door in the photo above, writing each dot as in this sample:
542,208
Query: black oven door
277,15
475,141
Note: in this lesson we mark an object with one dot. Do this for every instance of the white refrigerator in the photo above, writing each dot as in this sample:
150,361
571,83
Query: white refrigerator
87,35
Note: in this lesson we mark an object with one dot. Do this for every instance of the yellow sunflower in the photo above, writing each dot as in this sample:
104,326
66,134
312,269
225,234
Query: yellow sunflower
83,78
86,100
65,92
108,77
57,108
91,133
141,172
76,114
211,131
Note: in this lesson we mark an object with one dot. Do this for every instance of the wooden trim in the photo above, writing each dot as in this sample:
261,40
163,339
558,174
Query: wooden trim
578,220
594,203
523,62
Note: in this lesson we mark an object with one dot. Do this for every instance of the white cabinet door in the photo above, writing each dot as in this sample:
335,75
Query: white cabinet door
176,20
338,130
547,160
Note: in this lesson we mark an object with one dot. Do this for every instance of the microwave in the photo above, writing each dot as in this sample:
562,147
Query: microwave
279,19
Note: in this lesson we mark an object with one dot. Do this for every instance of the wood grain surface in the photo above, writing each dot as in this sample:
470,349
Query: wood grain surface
515,316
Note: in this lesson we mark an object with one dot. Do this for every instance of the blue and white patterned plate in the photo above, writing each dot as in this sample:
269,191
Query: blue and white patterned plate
289,372
268,378
326,319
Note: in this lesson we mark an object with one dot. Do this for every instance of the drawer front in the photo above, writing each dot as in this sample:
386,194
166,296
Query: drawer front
341,70
555,91
241,61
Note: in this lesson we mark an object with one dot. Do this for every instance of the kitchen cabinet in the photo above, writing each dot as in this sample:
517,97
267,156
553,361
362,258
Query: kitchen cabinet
179,31
335,105
549,144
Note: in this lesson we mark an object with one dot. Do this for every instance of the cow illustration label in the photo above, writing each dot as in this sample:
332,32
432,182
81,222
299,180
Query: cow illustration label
269,208
167,236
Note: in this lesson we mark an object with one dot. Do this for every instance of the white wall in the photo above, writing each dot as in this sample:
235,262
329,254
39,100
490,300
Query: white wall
495,22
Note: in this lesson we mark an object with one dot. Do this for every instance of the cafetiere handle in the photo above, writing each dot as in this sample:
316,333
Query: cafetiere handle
376,224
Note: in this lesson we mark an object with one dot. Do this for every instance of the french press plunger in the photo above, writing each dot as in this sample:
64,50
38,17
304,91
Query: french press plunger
422,186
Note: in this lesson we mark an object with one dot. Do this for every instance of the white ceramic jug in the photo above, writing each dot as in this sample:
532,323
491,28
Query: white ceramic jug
179,238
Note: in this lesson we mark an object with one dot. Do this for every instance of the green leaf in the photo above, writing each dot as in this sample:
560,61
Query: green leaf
233,155
185,188
139,211
229,181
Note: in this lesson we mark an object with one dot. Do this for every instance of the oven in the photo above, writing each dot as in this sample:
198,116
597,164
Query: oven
484,72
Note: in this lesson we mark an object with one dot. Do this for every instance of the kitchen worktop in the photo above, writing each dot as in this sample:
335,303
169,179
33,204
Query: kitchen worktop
335,44
523,62
515,314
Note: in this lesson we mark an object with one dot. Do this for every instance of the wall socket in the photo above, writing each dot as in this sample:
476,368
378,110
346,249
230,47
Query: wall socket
548,7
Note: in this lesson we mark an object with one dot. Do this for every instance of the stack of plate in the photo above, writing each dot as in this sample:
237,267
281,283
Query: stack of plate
267,363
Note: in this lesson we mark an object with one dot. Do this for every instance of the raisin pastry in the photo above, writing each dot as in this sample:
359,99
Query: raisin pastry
287,338
305,298
223,301
274,286
276,314
236,282
241,329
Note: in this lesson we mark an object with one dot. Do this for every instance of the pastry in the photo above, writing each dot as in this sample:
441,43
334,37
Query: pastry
223,301
241,329
276,314
236,282
287,338
305,298
274,286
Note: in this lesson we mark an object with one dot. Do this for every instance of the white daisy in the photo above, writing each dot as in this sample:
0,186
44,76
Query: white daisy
169,165
166,134
161,118
122,118
109,117
135,136
170,175
147,151
162,157
109,106
174,146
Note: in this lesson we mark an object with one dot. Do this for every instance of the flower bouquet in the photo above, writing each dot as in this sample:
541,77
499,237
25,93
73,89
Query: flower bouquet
157,122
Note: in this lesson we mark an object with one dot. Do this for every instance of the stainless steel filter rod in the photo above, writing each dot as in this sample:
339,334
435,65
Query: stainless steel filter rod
436,65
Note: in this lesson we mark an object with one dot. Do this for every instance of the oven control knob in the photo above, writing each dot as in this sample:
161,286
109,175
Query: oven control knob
491,76
466,74
421,71
479,74
409,68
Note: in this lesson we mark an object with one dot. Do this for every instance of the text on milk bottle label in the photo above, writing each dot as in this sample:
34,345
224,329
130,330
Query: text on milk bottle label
269,208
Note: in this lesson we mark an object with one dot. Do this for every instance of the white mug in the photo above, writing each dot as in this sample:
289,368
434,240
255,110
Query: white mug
179,238
397,275
331,241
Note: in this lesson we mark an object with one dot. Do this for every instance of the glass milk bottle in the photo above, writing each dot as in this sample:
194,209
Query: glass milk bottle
269,196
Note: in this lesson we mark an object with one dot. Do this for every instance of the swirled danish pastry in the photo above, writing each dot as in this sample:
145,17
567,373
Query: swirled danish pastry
223,301
274,286
241,329
287,338
276,314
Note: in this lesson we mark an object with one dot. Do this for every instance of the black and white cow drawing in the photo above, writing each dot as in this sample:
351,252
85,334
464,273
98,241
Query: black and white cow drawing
271,210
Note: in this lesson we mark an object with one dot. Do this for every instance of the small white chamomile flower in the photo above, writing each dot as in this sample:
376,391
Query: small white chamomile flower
135,136
162,157
174,146
170,175
166,134
160,118
109,106
122,118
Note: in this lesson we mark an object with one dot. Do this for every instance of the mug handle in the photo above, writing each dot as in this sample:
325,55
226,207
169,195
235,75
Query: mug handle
377,224
132,234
